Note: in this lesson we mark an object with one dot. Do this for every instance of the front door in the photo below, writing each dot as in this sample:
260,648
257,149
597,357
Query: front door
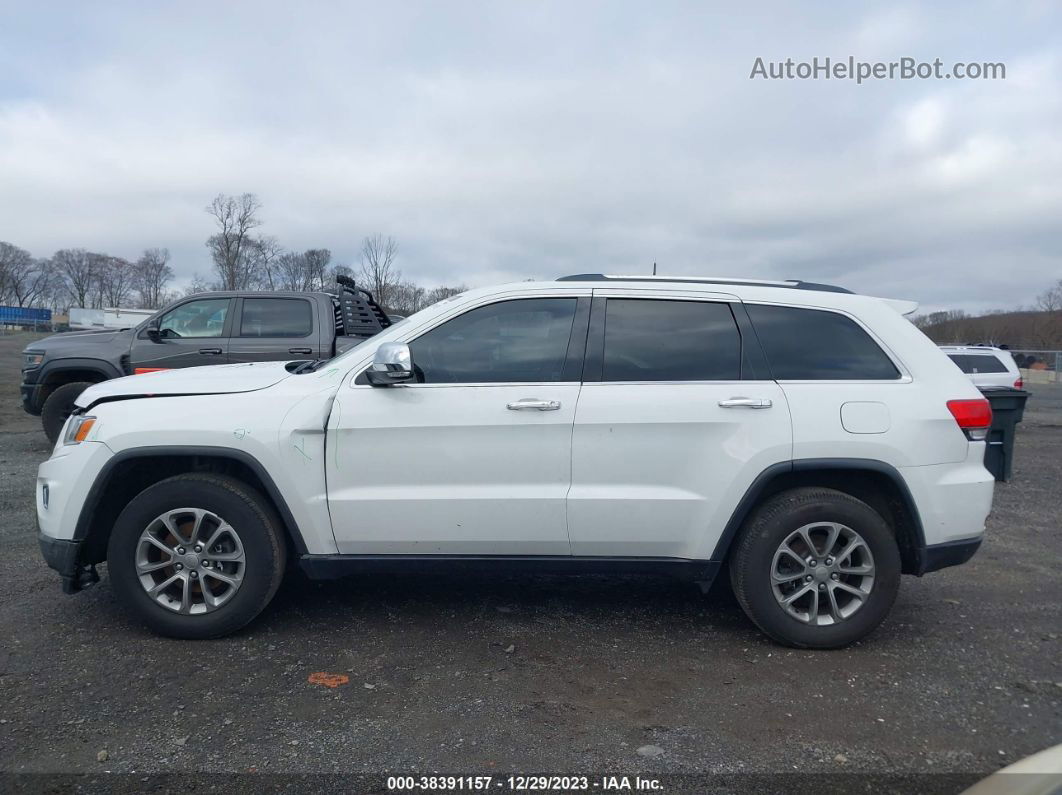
191,334
474,458
672,426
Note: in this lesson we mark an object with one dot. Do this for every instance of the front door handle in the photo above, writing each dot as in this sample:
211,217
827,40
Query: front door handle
210,351
300,350
531,404
745,403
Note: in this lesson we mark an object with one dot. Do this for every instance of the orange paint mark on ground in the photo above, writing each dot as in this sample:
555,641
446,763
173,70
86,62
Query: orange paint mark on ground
328,680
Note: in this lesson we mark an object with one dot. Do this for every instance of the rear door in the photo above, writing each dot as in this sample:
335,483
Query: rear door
193,333
275,328
675,420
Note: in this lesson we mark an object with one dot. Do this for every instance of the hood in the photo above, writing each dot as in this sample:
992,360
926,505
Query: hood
78,338
220,379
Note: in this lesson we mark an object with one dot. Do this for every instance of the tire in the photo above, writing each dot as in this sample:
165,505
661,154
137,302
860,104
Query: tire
792,518
58,407
218,500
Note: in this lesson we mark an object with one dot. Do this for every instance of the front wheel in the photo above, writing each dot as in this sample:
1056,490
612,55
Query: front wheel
59,406
816,568
196,555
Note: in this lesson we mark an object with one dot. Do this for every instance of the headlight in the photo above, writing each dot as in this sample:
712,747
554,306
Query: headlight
32,360
78,428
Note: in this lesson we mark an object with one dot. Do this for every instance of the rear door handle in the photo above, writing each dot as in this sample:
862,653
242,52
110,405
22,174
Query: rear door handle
745,403
300,350
210,351
531,404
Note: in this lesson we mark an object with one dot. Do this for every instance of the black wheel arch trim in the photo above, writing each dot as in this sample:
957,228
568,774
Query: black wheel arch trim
101,366
759,486
99,485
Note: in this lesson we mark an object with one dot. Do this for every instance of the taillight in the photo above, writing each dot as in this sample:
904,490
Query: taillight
1019,384
973,416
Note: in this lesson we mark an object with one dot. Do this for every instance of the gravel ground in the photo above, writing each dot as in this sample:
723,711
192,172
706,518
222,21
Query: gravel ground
541,674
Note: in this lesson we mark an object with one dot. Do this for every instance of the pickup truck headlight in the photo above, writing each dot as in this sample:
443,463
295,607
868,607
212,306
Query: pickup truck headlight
31,360
78,428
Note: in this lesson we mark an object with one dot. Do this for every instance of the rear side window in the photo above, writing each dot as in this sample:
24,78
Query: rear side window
276,317
653,340
815,345
977,363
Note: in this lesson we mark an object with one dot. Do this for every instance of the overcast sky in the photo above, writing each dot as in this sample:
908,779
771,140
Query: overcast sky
504,140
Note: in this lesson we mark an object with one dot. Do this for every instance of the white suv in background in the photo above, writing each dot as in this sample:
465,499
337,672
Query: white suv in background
985,366
809,442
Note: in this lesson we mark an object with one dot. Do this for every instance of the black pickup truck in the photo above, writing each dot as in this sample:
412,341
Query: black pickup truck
201,329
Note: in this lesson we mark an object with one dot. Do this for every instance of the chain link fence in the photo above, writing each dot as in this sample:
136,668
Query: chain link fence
1039,367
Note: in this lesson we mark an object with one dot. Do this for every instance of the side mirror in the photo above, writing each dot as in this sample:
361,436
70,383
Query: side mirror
391,365
153,330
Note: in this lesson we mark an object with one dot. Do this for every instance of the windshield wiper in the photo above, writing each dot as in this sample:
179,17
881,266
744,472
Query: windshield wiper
308,366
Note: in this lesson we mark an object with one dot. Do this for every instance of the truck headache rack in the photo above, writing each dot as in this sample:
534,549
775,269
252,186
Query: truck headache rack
358,313
792,284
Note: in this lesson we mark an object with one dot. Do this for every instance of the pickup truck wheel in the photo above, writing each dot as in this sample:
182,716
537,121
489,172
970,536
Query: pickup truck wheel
816,568
196,555
58,407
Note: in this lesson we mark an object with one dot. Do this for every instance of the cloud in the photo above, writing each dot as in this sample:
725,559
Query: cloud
507,141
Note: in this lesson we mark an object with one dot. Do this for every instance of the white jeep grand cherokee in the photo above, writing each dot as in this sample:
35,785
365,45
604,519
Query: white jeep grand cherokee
812,442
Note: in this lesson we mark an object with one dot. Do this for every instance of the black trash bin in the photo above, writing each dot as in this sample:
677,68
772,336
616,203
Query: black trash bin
1008,406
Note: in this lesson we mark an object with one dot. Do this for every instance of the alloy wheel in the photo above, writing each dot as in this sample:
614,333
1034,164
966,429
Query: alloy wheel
190,561
822,573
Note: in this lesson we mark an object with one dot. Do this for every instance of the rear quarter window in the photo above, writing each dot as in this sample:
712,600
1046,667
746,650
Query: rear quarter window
817,345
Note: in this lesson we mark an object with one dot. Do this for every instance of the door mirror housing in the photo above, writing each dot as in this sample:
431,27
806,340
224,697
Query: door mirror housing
153,329
392,364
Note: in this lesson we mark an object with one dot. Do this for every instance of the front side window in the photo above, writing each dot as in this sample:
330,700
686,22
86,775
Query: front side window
202,318
816,345
517,341
654,340
276,317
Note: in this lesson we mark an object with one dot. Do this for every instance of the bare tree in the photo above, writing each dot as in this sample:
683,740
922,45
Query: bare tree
197,285
339,270
407,298
265,253
316,260
232,248
77,269
25,281
1050,300
291,270
151,274
116,278
378,274
437,294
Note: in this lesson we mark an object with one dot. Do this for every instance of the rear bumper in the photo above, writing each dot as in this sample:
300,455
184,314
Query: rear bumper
953,553
953,500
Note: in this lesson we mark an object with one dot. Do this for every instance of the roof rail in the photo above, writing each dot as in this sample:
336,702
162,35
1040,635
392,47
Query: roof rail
792,284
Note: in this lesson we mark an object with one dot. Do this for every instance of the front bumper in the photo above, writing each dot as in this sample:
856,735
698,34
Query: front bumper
64,557
63,485
29,393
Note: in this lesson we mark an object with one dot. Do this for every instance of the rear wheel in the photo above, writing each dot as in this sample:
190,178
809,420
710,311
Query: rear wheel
58,407
196,555
816,568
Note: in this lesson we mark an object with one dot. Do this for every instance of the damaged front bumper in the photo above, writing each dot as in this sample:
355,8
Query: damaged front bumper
63,556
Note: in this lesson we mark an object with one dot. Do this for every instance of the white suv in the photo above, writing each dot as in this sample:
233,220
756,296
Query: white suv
985,366
810,441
